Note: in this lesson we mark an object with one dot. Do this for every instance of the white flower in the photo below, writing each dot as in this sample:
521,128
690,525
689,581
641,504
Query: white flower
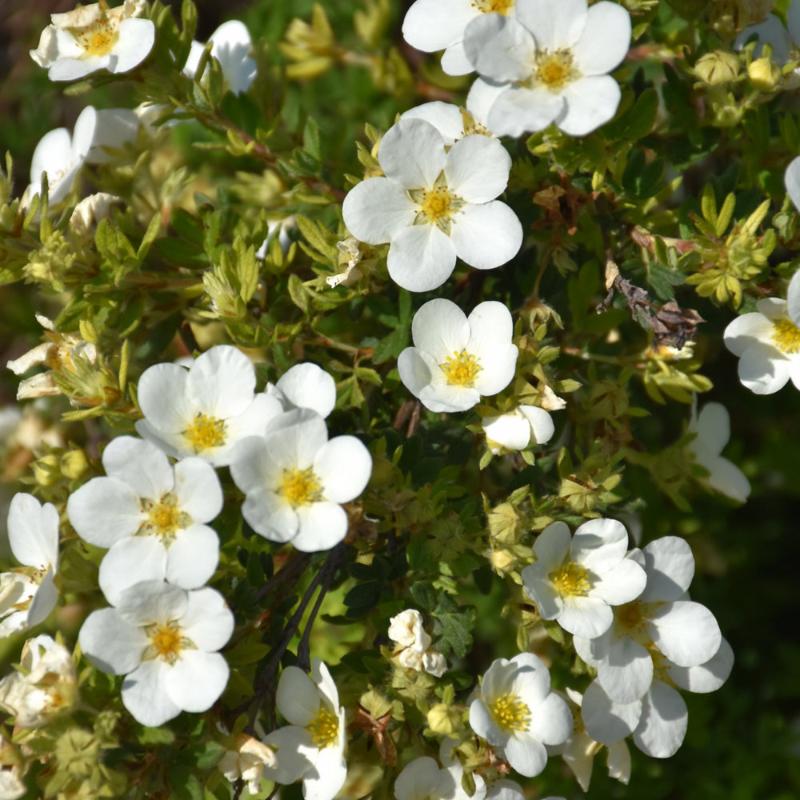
423,778
164,640
295,480
576,580
518,429
91,210
305,386
435,205
456,359
550,63
231,45
767,342
432,25
782,39
206,409
661,622
413,649
151,515
28,595
658,721
792,176
247,762
312,746
12,785
518,715
713,431
454,122
45,684
95,37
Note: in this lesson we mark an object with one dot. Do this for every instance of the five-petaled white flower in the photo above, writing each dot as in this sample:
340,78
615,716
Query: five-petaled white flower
295,480
232,46
435,204
712,429
28,594
205,409
311,747
164,640
519,429
305,386
576,580
658,721
456,359
423,779
661,622
151,515
518,715
767,342
549,63
94,37
432,25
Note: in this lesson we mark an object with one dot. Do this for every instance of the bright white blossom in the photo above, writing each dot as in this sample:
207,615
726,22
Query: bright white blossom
456,359
435,204
151,514
519,429
413,649
661,623
549,63
95,37
296,479
43,686
515,711
232,46
205,409
28,594
311,747
305,386
432,25
423,778
712,428
248,762
576,580
792,177
767,342
164,640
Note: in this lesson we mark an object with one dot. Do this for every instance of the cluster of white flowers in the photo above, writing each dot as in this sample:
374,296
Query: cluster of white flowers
413,644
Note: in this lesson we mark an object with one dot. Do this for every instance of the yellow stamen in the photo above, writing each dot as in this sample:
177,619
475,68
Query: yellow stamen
510,713
571,580
164,517
461,369
437,204
555,70
493,6
786,336
205,432
166,641
99,38
324,728
300,487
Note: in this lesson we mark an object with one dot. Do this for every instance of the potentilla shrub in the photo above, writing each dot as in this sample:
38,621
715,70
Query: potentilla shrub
331,461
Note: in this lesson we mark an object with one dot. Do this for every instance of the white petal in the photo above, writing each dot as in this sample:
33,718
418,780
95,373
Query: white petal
44,600
328,777
500,48
432,25
589,103
321,526
196,680
192,557
292,745
481,97
377,209
707,677
605,40
344,466
162,396
519,111
713,427
104,511
270,515
445,117
197,489
129,561
727,478
139,464
600,544
477,168
207,620
793,297
792,180
322,678
763,370
664,721
685,632
152,601
512,431
619,762
541,423
111,129
440,328
626,672
526,755
412,153
585,616
419,778
552,545
221,382
111,643
252,466
480,720
232,46
71,69
744,330
136,38
621,584
33,531
551,720
487,236
421,258
556,24
455,60
607,721
541,590
144,694
51,154
308,386
297,697
669,563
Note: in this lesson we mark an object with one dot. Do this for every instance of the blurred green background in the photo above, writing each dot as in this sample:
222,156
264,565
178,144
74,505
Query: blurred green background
744,741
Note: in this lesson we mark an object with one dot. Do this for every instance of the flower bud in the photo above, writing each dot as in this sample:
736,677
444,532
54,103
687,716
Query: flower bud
717,68
444,719
764,74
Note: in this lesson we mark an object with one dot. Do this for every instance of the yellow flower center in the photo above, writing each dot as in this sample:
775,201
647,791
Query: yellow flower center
493,6
786,336
299,487
461,369
164,517
205,432
166,641
571,580
324,728
437,204
510,713
97,39
555,70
